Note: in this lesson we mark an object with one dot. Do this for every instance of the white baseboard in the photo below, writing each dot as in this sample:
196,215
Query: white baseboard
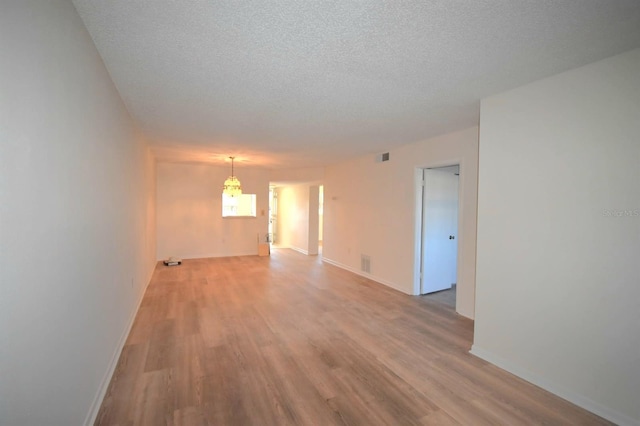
106,379
299,250
577,399
364,274
213,255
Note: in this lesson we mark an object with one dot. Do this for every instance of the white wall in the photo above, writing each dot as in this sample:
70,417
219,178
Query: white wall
558,277
76,217
298,218
189,209
370,208
296,176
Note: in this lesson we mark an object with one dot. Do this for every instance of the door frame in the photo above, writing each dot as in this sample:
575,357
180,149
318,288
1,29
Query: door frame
418,191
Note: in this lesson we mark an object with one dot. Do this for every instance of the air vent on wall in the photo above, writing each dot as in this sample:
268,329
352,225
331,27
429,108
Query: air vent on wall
382,157
365,263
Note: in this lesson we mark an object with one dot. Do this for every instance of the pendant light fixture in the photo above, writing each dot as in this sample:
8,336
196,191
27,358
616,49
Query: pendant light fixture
232,186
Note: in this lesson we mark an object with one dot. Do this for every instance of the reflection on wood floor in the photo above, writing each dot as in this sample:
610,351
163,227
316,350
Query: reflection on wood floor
288,340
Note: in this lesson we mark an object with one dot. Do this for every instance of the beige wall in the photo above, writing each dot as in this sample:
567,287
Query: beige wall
190,223
297,176
370,208
76,218
559,235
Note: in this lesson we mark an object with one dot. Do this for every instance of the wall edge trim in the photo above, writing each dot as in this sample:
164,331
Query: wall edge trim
111,368
364,274
299,250
558,390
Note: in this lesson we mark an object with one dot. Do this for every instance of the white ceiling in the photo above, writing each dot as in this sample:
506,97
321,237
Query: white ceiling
295,83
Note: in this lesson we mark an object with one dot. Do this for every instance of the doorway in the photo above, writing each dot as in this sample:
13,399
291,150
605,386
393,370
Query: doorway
295,217
320,217
439,233
273,215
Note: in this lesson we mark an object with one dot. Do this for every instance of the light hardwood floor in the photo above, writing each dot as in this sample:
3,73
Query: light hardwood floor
288,340
447,297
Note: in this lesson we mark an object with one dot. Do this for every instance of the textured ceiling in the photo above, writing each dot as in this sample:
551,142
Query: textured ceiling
300,83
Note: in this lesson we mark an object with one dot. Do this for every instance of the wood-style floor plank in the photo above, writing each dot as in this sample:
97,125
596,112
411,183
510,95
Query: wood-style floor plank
288,340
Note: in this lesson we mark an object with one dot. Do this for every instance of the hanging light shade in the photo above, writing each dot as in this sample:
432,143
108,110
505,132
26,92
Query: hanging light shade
232,186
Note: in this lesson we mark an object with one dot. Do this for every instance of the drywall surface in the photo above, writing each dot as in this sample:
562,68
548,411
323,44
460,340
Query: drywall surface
296,176
76,218
559,235
314,219
189,211
370,209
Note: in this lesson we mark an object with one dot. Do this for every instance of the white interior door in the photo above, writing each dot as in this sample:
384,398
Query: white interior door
439,230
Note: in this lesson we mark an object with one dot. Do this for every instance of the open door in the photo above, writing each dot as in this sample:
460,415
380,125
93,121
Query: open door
439,229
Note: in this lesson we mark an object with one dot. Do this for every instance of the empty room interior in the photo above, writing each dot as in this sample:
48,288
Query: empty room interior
379,212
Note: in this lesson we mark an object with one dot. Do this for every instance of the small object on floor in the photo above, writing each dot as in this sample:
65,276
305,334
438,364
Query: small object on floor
172,261
264,249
